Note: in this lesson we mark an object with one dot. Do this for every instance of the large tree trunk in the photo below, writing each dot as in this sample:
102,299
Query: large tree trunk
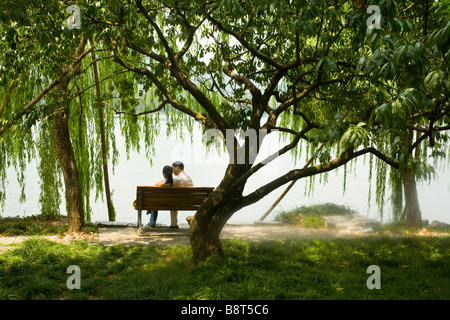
411,212
204,235
206,227
209,220
66,157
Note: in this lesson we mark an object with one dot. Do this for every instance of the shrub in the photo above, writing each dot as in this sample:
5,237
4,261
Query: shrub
311,216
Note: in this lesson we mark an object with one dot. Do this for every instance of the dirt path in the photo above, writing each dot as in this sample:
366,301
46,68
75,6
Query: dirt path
167,236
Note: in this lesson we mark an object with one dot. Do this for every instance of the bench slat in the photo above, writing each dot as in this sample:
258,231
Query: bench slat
168,208
172,189
171,201
174,194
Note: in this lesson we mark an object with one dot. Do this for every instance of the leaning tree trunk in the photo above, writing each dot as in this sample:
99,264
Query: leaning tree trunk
411,211
209,220
66,157
204,235
63,144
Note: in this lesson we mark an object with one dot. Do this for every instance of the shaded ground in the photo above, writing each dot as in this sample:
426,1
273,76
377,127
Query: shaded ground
337,227
168,236
120,233
249,232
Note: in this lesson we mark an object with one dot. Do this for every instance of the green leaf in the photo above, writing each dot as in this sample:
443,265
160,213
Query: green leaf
360,64
433,78
319,64
330,65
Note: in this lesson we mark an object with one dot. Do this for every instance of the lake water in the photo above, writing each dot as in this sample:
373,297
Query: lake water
207,169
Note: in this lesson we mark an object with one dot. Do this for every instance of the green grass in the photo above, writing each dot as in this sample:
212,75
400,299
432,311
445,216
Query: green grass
37,225
411,268
311,216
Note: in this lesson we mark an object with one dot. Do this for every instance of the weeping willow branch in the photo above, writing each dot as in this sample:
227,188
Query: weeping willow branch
29,106
80,92
206,121
159,108
109,203
8,95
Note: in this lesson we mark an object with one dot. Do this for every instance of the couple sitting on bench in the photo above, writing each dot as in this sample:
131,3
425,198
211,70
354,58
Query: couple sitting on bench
181,179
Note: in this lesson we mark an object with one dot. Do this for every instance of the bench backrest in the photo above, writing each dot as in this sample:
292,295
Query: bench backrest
171,198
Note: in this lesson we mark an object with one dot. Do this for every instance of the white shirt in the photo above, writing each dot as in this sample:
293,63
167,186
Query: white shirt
182,180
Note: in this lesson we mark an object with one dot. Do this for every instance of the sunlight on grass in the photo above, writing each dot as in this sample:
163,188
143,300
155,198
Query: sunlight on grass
411,268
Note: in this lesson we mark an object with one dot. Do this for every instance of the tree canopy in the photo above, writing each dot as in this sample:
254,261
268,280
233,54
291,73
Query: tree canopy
313,70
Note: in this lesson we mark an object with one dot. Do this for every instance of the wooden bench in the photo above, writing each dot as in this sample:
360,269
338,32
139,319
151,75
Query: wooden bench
169,198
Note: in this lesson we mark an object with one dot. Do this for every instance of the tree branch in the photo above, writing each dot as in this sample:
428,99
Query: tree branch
275,155
243,80
297,174
173,102
220,91
241,39
269,91
29,105
190,37
157,29
249,21
282,107
142,50
159,108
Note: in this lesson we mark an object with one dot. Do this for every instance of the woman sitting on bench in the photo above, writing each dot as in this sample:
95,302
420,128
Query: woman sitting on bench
168,182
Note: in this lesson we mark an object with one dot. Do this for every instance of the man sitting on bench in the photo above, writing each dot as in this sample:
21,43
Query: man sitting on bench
181,179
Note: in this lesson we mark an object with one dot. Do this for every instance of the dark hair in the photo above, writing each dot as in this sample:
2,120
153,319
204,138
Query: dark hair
178,164
167,170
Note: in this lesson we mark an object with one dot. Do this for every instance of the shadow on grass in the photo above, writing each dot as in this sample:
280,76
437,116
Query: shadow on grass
411,268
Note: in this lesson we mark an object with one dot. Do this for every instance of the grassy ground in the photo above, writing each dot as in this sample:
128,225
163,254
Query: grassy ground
37,225
411,268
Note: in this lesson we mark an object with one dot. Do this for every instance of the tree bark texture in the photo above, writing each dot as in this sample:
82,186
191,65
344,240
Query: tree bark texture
209,220
411,211
63,144
66,157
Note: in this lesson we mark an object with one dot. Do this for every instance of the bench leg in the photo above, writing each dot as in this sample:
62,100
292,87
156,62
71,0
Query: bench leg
139,222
